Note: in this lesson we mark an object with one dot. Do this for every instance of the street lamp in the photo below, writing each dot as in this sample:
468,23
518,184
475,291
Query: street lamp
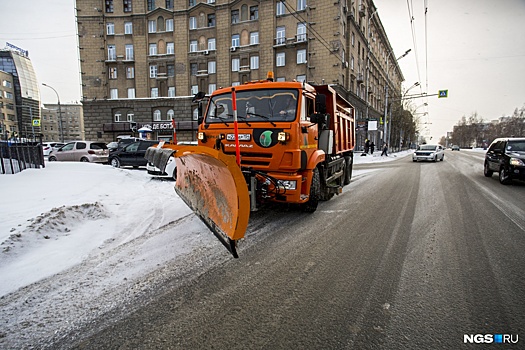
386,91
59,114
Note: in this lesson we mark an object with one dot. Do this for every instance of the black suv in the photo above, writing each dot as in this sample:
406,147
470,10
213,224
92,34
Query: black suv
132,154
506,156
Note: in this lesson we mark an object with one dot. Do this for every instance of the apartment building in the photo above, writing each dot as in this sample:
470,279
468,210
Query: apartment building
64,123
142,60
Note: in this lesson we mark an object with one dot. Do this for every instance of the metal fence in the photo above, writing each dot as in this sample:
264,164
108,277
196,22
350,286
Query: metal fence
18,155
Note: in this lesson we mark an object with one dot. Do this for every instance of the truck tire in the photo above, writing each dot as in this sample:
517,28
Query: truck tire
349,164
315,193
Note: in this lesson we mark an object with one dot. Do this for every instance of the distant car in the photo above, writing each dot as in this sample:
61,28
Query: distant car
132,154
506,156
48,147
429,152
81,151
171,167
455,148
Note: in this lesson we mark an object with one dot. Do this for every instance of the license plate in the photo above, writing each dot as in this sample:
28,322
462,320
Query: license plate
242,137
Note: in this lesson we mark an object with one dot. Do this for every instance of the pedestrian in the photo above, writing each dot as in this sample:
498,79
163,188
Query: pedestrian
367,145
385,150
372,147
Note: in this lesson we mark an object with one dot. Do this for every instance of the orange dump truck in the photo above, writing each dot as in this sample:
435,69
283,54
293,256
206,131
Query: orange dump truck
263,142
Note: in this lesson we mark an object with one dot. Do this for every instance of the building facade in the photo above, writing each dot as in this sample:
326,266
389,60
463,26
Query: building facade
20,94
68,125
142,60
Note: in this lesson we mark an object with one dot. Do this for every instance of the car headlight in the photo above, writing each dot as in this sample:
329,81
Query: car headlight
516,162
289,185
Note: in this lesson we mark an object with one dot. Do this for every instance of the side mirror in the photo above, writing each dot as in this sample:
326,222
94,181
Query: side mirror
198,96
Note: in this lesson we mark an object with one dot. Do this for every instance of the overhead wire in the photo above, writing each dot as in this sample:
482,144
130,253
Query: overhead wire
318,36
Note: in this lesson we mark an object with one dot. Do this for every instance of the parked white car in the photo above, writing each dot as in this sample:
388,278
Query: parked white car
171,167
429,152
48,147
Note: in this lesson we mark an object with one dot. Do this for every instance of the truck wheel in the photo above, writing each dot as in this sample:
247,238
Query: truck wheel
349,164
315,193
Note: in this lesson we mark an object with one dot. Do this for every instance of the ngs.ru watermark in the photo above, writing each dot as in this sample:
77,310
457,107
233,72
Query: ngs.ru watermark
490,338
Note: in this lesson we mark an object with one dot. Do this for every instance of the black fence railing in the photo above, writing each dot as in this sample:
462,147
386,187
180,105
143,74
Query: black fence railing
20,154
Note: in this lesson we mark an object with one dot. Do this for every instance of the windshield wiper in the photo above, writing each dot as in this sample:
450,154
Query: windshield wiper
262,116
244,119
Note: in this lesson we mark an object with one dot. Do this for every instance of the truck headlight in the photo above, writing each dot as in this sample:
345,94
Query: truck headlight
516,162
289,185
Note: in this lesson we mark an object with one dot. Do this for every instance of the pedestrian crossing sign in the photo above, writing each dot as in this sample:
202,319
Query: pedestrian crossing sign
443,93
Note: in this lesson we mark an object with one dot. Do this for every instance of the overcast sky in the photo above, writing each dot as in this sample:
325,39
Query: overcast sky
476,50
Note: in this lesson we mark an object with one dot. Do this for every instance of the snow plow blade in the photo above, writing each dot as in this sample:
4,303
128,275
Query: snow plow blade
213,186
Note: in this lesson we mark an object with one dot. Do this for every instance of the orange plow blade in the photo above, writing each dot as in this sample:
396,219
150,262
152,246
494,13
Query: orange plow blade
213,186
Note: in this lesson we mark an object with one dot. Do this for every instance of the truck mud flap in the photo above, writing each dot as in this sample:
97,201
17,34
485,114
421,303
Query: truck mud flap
213,186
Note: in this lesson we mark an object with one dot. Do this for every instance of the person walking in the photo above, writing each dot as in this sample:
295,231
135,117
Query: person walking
385,150
367,145
372,147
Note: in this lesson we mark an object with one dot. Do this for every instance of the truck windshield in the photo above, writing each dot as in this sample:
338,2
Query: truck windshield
274,105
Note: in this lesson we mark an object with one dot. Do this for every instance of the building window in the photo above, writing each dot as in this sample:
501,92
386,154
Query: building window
280,79
171,113
193,23
194,89
129,52
280,37
113,94
191,3
193,68
301,5
112,53
236,40
151,5
169,4
130,72
130,116
153,71
152,26
352,38
352,62
211,20
193,46
171,91
128,6
212,67
110,28
128,27
169,25
301,56
212,88
235,16
301,32
210,1
281,9
254,38
154,92
131,92
112,72
254,62
211,44
236,83
301,78
235,64
170,48
156,115
118,117
171,70
254,12
109,6
152,49
281,59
